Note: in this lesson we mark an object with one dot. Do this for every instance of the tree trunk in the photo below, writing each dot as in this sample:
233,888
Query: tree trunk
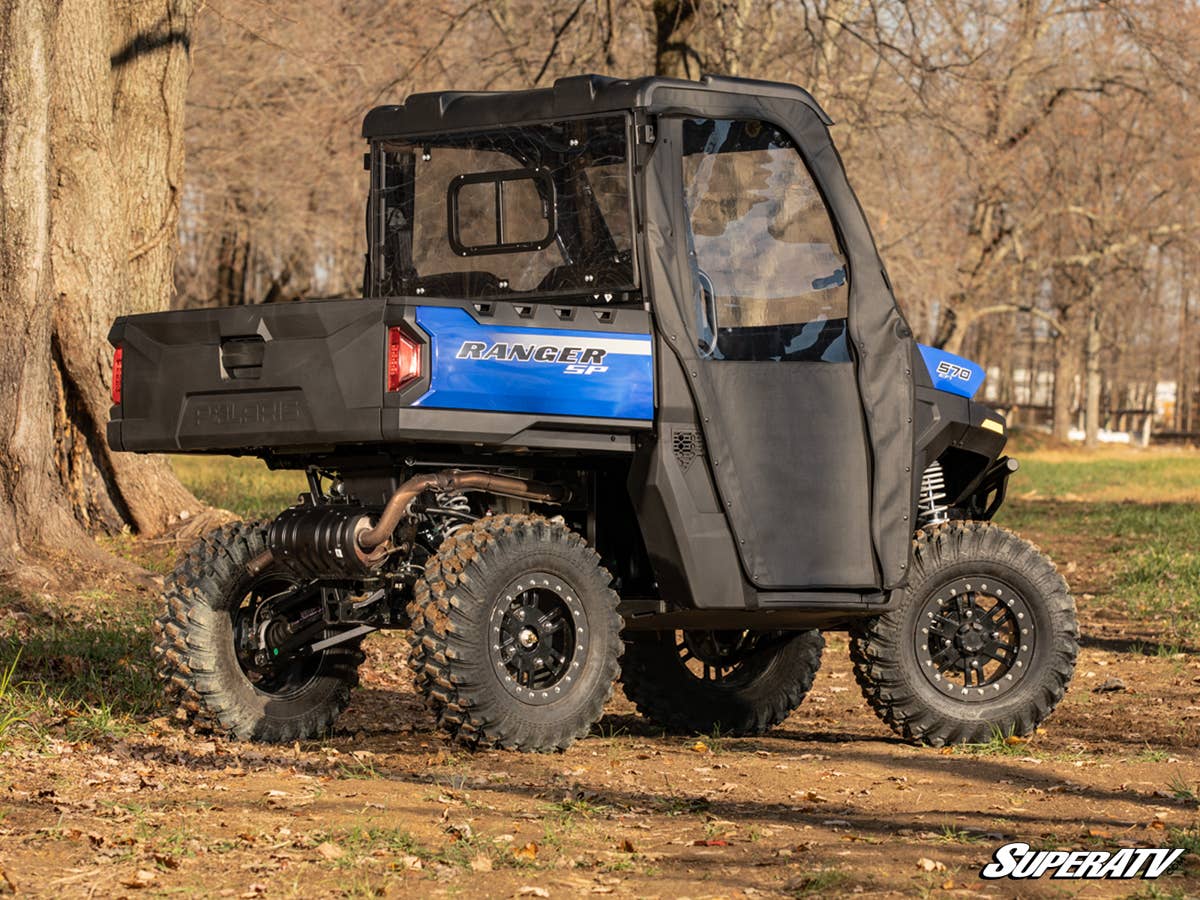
676,53
91,104
1066,367
1093,384
1183,373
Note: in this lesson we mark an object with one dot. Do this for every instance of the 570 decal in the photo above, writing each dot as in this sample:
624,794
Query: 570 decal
578,360
947,369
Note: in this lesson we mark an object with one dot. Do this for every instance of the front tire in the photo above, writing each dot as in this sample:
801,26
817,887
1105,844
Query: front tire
201,648
983,642
515,634
739,683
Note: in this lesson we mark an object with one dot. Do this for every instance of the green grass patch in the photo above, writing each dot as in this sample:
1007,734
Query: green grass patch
952,834
1151,549
90,678
999,744
819,883
1187,838
11,712
239,484
1112,475
462,851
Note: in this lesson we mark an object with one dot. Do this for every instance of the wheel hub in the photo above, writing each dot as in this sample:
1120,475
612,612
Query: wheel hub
263,620
718,656
974,638
538,638
969,638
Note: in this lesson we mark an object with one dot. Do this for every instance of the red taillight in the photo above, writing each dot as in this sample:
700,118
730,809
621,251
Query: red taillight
116,376
403,359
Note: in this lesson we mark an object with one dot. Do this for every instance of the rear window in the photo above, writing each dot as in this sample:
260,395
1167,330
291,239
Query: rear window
536,210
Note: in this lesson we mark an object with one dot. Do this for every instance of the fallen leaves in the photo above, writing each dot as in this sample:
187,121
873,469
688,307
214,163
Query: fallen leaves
528,853
330,851
142,878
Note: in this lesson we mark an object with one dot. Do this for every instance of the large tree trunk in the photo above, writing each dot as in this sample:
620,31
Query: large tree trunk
91,103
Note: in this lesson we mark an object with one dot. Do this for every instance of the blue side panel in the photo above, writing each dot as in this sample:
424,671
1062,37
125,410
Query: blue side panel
951,373
551,371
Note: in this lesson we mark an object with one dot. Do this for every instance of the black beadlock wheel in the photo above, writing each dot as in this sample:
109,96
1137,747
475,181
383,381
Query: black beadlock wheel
515,634
204,647
983,642
736,682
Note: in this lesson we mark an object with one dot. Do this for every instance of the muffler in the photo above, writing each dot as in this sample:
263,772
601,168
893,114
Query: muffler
340,541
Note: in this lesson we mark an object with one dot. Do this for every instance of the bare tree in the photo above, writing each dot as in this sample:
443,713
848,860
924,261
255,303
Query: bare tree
90,178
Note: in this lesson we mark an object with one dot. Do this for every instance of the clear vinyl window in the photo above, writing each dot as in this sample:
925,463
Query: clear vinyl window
535,210
771,276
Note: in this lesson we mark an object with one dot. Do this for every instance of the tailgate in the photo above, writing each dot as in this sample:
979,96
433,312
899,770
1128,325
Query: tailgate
295,374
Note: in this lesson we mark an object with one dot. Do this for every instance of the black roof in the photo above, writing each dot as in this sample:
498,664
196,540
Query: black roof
578,95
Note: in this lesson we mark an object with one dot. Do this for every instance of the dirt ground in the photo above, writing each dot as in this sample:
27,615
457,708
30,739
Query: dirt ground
829,804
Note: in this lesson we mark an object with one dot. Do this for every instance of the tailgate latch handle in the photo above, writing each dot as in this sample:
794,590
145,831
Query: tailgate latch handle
242,357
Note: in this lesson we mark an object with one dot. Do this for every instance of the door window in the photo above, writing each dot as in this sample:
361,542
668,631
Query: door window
771,276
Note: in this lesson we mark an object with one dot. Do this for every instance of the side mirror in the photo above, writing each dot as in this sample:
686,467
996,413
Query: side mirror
511,211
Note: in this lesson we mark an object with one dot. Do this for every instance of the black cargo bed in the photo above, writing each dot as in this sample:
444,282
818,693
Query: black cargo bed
299,374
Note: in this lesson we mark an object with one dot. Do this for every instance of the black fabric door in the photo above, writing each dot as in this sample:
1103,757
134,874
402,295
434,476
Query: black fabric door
763,287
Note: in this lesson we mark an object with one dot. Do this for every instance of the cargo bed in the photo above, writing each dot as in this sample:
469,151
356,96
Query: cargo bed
314,374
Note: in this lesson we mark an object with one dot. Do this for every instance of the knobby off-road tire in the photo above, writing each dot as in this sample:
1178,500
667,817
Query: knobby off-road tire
515,634
196,654
972,585
750,697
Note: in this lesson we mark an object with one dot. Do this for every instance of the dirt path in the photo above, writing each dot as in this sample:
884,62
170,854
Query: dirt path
827,804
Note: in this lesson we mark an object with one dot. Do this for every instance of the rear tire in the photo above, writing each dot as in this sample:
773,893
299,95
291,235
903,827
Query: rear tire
515,634
983,642
197,657
755,694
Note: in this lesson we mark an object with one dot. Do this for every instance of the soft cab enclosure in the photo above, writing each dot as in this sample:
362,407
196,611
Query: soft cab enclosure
713,276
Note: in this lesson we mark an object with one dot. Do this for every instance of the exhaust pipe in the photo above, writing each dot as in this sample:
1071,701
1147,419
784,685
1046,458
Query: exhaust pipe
453,480
336,538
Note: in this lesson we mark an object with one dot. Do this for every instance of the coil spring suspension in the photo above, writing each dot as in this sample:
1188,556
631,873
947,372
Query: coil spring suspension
932,509
455,503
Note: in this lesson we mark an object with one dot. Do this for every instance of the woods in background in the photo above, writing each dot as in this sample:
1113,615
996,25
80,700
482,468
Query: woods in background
1029,167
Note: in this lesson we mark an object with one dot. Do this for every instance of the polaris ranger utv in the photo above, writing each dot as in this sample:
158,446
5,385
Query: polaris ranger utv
627,396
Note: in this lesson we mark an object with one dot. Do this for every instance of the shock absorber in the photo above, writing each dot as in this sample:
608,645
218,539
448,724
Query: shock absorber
932,508
455,503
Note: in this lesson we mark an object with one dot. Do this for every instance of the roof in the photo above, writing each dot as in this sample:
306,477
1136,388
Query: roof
578,95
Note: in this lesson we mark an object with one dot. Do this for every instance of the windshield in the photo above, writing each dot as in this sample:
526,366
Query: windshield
534,210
